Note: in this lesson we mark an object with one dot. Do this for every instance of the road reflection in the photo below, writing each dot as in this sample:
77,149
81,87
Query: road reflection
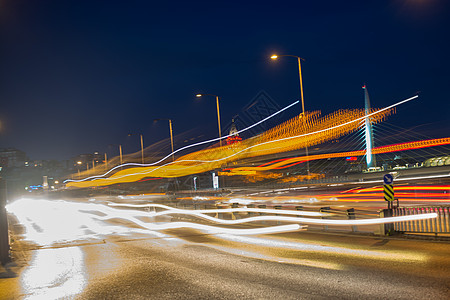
54,274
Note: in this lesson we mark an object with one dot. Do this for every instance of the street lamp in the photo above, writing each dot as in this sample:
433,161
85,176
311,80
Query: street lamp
171,133
142,146
218,113
78,167
299,59
120,154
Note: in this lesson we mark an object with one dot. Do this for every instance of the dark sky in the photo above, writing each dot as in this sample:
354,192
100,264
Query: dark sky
77,76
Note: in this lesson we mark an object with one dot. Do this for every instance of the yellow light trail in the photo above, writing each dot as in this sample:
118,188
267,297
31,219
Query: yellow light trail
285,137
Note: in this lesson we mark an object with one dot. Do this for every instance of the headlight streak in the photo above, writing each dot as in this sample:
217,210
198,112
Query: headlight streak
48,222
147,172
170,210
184,148
207,228
374,221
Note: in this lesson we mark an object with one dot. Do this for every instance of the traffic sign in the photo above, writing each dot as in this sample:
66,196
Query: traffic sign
388,192
388,179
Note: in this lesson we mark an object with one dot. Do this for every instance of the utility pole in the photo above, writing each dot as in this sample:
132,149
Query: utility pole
4,234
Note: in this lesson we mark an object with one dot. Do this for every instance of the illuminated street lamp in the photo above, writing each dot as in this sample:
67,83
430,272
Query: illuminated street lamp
218,113
171,133
299,59
78,167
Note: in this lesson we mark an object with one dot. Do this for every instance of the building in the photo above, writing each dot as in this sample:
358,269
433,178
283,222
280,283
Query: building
11,157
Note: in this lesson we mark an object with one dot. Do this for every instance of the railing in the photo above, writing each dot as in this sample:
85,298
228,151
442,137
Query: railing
441,224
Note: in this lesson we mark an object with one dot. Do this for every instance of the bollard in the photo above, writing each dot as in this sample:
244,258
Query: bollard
277,207
325,210
4,235
388,228
299,208
250,206
234,205
352,216
262,206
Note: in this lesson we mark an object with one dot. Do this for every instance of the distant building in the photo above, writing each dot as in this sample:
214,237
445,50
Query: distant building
11,157
87,161
234,135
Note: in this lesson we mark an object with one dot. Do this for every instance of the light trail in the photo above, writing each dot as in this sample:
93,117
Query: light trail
61,222
48,222
201,214
171,210
131,175
280,164
184,148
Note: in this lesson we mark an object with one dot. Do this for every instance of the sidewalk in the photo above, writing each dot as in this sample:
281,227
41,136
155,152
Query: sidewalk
21,253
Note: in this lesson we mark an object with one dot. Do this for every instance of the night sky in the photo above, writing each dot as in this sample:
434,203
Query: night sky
77,76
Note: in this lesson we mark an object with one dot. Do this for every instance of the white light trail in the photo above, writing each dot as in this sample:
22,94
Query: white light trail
200,214
403,179
170,210
48,222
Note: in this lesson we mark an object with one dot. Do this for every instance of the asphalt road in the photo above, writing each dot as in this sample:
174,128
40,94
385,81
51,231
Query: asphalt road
188,264
85,250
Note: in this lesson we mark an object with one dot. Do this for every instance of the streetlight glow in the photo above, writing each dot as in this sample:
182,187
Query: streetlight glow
299,59
218,114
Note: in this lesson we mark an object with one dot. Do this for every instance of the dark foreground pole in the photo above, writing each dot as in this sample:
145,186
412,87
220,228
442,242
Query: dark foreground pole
4,236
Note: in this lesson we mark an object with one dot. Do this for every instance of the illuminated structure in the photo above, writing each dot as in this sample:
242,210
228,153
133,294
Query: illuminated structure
234,135
370,157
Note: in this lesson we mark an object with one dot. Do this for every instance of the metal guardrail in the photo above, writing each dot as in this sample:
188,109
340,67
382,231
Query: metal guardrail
441,224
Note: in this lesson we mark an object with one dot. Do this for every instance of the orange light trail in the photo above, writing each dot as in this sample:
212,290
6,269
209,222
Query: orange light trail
378,150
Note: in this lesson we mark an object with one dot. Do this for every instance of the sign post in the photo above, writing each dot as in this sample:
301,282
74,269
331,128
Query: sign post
388,188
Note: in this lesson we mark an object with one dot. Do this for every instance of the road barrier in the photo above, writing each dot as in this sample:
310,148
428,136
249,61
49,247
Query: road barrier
441,224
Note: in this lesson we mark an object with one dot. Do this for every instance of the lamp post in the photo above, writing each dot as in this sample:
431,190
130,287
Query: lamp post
78,167
171,133
142,145
120,153
299,59
218,114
